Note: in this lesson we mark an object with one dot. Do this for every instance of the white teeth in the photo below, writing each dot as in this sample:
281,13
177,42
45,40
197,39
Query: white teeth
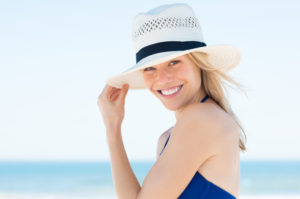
171,91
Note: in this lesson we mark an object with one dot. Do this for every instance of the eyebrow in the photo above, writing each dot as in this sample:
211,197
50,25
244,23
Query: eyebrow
154,66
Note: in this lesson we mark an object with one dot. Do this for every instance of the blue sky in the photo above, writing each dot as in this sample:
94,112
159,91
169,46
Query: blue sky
56,55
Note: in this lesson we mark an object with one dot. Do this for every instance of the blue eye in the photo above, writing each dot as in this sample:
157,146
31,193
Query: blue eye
175,61
148,68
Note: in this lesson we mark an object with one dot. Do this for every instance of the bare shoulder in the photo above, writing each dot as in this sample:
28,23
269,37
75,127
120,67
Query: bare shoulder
210,122
191,144
166,133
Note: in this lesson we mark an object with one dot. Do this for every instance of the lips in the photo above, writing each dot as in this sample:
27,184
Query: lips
170,92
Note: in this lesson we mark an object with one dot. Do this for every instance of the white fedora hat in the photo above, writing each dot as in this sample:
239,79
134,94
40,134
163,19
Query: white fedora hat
166,32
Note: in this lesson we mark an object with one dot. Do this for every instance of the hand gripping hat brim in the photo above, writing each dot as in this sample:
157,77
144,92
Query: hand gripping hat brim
167,32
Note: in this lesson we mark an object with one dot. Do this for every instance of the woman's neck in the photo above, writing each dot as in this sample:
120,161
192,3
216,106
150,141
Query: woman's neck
196,99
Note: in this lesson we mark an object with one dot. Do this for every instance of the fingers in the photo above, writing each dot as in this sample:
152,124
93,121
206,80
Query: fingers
113,93
108,91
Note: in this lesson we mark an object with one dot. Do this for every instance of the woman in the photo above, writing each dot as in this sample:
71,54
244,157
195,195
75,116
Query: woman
200,156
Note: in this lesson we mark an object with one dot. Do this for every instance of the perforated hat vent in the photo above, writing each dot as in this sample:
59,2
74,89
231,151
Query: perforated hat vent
165,22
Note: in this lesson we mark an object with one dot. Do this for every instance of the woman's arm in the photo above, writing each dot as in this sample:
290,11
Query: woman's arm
125,181
111,103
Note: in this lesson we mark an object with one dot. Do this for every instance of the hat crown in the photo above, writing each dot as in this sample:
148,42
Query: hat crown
169,22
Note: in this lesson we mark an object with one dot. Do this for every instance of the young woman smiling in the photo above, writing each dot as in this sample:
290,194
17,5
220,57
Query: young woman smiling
198,157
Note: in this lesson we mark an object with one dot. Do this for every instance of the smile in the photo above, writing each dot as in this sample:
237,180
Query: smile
171,92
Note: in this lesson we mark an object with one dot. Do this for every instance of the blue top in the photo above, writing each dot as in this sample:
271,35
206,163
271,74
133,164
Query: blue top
201,188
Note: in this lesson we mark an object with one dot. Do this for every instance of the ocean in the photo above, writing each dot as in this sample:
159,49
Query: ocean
93,179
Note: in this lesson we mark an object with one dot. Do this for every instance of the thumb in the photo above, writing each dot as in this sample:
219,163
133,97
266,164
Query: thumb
124,92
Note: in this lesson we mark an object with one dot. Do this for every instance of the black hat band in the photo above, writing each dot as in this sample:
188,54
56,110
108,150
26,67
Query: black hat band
167,46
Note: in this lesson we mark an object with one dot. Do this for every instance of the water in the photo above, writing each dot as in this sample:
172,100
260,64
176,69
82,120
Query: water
93,179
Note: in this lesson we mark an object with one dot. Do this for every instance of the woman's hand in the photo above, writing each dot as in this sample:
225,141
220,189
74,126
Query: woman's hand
111,103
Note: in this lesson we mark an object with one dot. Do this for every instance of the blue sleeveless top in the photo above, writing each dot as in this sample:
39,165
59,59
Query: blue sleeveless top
201,188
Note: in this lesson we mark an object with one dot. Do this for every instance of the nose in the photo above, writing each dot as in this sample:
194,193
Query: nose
163,75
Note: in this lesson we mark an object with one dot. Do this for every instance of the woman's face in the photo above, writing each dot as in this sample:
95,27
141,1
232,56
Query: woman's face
175,83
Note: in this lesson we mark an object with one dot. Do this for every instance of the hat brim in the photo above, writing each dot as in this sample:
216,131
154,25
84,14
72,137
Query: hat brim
223,57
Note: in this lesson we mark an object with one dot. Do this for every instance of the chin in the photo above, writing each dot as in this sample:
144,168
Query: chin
172,107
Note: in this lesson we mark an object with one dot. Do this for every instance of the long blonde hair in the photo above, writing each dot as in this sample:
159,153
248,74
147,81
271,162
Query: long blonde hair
212,80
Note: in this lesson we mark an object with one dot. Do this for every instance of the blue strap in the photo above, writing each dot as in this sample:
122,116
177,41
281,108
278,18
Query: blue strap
203,100
165,143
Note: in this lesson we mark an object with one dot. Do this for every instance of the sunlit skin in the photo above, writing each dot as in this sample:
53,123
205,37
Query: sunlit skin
175,72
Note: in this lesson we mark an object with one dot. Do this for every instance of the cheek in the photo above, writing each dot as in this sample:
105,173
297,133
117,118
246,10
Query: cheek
147,80
184,74
197,79
191,76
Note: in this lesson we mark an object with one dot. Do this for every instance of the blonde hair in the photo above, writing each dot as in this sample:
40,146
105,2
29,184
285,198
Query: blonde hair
212,81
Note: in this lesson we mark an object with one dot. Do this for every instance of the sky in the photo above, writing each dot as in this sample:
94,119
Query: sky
56,55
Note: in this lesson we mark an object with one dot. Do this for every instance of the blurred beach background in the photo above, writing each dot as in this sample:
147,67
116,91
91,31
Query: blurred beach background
56,55
93,179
